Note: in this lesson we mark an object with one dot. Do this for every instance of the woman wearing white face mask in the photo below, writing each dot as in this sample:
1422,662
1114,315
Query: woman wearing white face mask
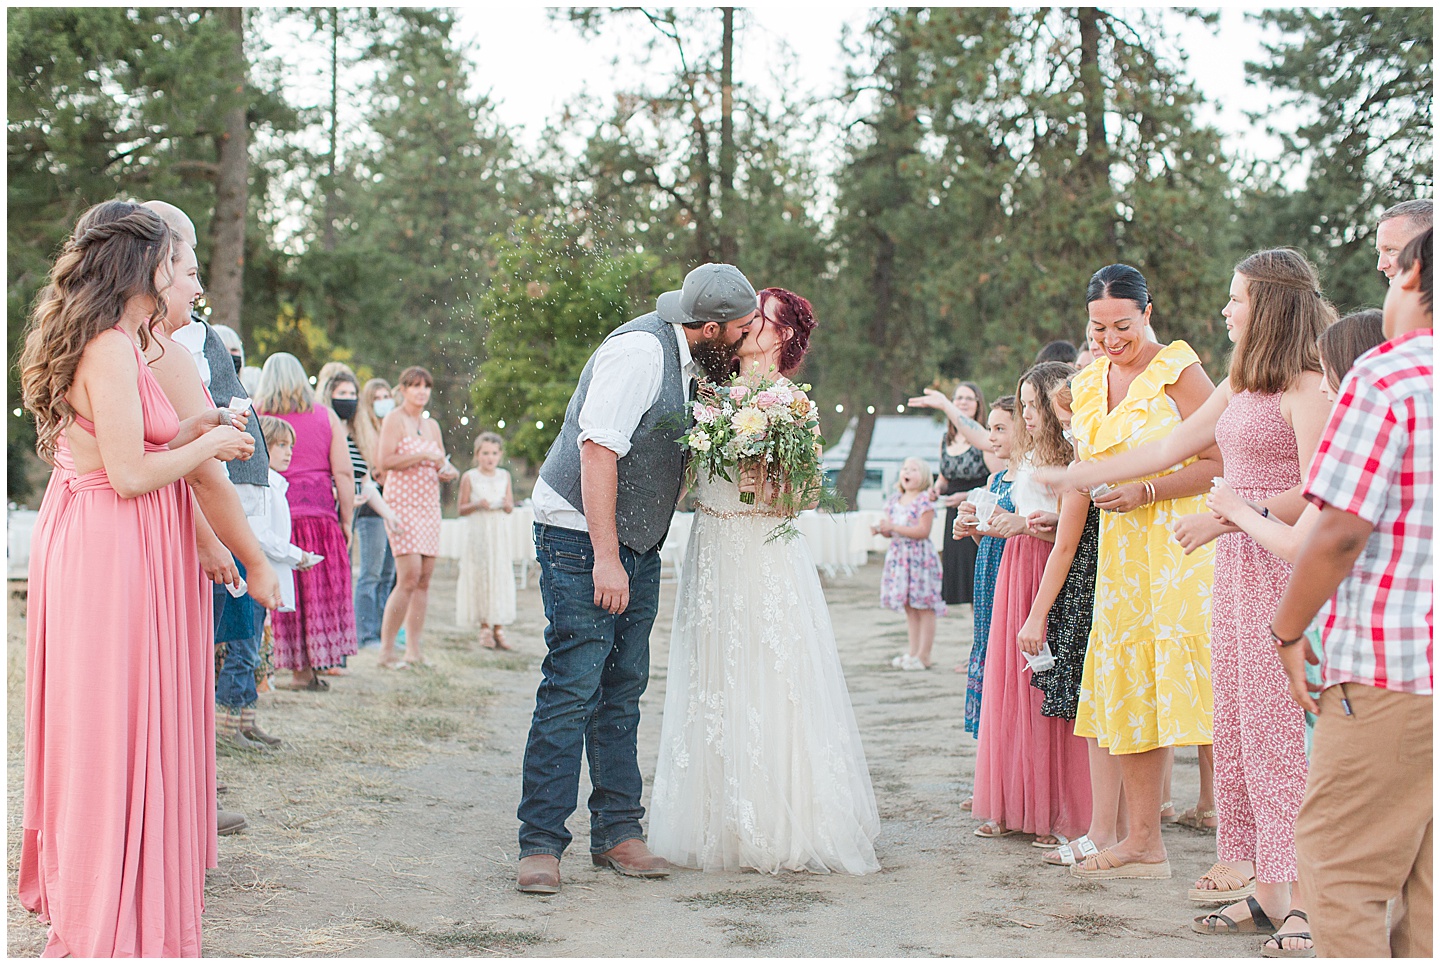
377,563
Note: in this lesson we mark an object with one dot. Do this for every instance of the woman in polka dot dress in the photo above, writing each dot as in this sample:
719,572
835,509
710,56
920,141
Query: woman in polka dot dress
411,454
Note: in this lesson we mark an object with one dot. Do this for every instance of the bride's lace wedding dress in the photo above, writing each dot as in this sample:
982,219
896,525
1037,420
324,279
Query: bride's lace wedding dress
760,763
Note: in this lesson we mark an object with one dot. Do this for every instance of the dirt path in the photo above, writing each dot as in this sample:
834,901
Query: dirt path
386,827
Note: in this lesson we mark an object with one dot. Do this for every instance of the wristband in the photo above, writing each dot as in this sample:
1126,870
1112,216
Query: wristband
1264,512
1284,643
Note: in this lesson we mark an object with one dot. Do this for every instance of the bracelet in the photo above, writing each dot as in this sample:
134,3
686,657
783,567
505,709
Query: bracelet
1284,643
1149,492
1264,512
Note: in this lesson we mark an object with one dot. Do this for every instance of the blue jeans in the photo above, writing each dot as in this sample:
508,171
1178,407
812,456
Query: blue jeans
589,698
376,580
235,683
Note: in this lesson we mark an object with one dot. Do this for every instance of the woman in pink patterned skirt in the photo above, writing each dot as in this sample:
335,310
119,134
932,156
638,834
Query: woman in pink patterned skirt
411,454
320,632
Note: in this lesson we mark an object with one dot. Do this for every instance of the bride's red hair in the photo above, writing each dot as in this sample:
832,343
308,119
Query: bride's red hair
795,313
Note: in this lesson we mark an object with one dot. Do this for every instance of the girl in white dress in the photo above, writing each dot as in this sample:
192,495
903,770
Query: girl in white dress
485,594
761,765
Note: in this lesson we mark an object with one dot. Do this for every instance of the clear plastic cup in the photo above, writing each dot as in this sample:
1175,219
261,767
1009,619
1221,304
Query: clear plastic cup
1043,660
985,503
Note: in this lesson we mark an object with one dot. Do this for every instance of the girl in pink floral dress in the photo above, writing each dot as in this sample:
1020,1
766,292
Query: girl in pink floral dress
912,580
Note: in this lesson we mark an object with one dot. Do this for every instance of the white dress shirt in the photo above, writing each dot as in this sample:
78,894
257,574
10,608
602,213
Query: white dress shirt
192,338
624,383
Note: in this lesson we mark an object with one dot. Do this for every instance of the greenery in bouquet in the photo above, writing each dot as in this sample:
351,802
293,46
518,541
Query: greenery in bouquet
756,423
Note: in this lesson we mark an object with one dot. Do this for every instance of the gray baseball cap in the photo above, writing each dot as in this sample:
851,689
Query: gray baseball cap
711,293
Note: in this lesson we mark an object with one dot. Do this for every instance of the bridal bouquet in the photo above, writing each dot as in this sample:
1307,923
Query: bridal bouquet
758,423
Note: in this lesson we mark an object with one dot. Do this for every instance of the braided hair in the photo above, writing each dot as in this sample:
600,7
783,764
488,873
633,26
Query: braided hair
113,255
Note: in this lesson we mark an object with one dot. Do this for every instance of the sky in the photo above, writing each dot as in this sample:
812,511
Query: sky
532,66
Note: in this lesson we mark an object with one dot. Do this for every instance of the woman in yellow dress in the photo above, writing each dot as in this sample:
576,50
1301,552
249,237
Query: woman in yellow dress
1146,684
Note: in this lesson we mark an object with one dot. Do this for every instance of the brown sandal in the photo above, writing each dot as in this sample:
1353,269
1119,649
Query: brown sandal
1231,888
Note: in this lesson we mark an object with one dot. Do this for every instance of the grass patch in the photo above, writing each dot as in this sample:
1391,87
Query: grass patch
1089,923
746,934
463,936
757,899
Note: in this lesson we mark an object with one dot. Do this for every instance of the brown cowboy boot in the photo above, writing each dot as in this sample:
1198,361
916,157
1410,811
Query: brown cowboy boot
538,874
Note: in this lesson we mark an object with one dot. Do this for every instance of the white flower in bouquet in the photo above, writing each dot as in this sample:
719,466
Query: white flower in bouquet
750,421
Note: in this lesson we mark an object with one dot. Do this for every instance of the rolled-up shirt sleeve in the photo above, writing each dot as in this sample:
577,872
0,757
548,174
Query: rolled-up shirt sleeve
624,383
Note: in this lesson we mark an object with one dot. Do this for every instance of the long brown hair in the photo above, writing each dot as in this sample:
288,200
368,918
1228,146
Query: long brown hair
1348,339
980,409
112,256
1287,315
1047,447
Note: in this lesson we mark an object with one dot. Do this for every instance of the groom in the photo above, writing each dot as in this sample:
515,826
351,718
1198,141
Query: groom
602,506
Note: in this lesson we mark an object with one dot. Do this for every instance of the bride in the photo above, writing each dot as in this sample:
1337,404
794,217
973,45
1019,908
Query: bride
760,759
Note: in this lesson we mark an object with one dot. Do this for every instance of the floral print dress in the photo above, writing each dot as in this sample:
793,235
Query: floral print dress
912,567
1146,681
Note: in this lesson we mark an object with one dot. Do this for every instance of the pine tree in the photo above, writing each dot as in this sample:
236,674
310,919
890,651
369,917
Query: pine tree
1363,80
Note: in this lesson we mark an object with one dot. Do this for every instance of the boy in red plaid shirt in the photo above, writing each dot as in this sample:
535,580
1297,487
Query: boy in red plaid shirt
1364,835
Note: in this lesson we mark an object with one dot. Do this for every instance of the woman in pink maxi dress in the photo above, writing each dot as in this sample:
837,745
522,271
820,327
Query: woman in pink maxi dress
119,779
119,802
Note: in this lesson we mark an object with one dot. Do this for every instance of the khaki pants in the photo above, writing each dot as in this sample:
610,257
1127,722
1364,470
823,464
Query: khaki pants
1363,836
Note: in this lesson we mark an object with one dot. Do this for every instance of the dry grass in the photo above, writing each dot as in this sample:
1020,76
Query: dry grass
1090,923
771,899
463,938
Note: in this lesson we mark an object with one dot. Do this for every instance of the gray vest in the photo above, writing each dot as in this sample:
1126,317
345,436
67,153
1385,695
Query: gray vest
224,386
651,473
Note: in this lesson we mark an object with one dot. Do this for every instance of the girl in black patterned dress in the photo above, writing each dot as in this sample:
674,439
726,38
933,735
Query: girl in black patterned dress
1062,611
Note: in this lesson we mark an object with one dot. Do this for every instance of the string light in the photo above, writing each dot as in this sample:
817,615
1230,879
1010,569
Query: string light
464,420
539,424
899,408
839,408
17,413
869,410
501,423
425,414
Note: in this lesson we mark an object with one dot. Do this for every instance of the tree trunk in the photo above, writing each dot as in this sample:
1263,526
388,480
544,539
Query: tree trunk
729,249
702,168
852,474
329,207
882,283
227,264
1096,159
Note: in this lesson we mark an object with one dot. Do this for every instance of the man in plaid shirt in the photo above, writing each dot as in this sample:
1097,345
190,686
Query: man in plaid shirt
1363,835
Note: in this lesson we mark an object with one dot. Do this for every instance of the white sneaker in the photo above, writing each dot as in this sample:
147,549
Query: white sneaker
899,662
912,663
